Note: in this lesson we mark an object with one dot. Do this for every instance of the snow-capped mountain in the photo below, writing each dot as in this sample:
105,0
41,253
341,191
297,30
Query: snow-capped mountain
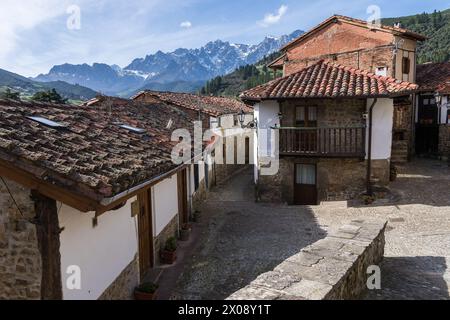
163,70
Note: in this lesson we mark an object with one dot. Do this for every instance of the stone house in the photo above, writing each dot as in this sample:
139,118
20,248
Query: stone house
382,50
319,128
432,116
89,191
225,117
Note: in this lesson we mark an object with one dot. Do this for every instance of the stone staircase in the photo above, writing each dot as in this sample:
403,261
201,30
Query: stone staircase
399,153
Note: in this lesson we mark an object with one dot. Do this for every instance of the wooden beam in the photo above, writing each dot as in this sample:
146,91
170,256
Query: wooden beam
79,202
47,227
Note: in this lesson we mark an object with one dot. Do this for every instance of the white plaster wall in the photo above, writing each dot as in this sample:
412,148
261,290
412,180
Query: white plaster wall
267,118
165,203
383,114
102,252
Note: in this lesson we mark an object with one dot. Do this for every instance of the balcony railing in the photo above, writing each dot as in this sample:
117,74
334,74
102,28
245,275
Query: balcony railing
324,141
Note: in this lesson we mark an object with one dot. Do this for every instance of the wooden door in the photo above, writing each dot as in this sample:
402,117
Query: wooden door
306,117
145,227
183,207
305,184
427,129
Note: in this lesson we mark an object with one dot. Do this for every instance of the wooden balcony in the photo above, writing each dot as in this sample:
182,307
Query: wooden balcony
324,142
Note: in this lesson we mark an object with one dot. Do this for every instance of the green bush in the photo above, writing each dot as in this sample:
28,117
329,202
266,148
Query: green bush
171,244
148,287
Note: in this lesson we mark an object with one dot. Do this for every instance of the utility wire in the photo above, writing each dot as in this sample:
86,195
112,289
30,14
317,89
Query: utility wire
12,197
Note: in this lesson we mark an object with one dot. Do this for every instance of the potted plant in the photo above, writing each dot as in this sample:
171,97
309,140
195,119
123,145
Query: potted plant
168,253
185,232
146,291
196,216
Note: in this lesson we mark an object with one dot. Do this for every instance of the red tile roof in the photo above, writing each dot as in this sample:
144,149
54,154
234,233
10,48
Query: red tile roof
434,77
325,80
362,23
213,106
93,156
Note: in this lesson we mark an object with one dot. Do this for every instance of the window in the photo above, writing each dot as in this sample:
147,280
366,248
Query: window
305,174
47,122
132,129
406,65
381,71
306,116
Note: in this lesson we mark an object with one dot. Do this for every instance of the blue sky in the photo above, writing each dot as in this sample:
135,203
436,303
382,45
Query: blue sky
34,33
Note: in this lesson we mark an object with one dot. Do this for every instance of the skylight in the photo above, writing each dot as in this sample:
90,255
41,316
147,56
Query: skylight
47,122
133,129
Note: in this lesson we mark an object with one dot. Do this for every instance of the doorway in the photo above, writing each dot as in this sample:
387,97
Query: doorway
305,184
183,207
145,231
427,129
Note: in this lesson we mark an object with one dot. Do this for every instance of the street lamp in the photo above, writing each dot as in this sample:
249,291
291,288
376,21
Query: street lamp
241,116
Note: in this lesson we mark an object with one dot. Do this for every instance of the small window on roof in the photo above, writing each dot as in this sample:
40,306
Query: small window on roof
132,129
47,122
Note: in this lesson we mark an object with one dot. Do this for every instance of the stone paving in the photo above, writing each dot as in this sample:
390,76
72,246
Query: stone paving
244,239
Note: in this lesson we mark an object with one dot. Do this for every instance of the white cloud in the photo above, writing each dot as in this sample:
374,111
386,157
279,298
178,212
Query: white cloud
186,24
270,18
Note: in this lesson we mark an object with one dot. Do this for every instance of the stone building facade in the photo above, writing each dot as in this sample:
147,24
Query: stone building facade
20,258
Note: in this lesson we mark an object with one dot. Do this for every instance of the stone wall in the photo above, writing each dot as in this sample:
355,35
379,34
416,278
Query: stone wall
20,259
171,230
444,140
123,287
330,112
402,144
337,178
334,268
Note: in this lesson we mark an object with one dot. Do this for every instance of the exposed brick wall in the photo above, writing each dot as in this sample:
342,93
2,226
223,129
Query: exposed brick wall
345,44
20,259
365,59
123,286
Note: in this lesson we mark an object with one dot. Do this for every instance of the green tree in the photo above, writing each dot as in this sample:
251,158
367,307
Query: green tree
8,94
48,96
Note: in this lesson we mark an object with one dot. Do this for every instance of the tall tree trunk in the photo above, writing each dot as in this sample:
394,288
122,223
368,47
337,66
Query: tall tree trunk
48,240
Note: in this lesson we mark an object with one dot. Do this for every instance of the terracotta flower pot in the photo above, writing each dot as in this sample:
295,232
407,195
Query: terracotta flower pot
168,257
139,295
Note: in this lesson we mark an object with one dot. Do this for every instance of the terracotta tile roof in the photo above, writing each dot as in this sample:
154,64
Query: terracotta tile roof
325,80
213,106
434,77
92,156
362,23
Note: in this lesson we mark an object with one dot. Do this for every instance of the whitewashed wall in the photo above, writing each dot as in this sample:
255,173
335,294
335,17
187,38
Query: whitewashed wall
383,117
165,203
102,252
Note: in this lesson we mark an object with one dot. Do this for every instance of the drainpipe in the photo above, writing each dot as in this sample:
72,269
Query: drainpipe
369,151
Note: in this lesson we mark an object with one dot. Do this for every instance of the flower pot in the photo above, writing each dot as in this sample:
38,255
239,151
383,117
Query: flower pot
185,234
168,257
139,295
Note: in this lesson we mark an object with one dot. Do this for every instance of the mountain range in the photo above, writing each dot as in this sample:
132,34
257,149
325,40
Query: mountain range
183,70
27,87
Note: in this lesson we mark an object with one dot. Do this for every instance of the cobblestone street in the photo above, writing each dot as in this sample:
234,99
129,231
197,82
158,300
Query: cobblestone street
243,239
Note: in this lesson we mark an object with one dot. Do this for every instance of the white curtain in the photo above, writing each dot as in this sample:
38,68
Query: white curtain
306,174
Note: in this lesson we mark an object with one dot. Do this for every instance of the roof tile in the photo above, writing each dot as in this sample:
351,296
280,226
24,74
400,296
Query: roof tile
325,80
